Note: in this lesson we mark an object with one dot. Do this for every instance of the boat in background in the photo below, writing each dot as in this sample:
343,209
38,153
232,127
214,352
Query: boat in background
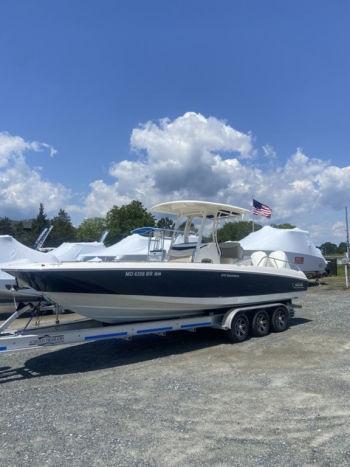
144,244
135,247
14,252
192,278
296,244
76,251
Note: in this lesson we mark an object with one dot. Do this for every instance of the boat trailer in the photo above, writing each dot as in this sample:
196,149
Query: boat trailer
237,322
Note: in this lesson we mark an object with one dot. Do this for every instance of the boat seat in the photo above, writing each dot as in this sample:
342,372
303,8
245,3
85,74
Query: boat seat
231,252
208,253
259,258
182,252
279,260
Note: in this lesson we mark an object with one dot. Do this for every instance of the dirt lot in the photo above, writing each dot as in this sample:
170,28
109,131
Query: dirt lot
187,398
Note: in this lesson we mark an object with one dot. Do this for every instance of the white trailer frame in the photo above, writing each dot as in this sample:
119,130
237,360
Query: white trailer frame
82,331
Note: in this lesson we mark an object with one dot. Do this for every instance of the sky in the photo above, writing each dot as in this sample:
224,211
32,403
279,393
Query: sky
102,102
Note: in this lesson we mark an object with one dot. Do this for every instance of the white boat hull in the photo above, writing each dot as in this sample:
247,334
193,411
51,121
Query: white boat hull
110,308
128,292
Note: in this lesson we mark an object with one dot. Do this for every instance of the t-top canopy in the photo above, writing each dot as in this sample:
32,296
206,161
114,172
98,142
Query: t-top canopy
198,208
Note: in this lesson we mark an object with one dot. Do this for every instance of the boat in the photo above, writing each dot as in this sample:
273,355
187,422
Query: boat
76,251
14,252
10,297
192,278
296,243
143,244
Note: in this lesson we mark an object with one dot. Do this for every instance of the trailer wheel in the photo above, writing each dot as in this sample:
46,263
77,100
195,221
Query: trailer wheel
239,330
261,324
279,319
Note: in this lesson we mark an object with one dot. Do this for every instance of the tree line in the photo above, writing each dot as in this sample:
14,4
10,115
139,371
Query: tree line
119,221
329,248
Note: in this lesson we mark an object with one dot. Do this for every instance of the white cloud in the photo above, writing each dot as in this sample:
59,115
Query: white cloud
204,158
339,231
269,151
192,156
22,188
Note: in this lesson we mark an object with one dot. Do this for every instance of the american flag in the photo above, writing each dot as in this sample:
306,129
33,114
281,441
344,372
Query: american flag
260,209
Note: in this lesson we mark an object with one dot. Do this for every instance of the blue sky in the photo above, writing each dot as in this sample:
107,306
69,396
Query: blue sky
80,76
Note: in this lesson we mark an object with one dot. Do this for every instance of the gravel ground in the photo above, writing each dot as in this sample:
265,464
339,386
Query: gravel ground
186,398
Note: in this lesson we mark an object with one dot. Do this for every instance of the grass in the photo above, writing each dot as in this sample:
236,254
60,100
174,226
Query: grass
335,282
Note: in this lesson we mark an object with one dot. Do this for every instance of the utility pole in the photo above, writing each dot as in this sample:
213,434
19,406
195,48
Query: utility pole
347,232
347,248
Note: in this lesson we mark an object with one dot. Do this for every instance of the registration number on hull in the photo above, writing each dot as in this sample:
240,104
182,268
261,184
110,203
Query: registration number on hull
143,274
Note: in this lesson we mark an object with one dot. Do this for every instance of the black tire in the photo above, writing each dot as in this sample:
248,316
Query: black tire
279,319
261,324
239,330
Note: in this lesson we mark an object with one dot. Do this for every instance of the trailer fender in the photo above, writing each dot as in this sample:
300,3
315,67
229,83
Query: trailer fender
228,317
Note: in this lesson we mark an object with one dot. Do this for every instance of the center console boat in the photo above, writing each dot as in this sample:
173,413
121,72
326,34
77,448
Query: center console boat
191,278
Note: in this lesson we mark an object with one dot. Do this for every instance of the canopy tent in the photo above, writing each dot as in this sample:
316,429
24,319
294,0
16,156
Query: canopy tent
296,243
74,251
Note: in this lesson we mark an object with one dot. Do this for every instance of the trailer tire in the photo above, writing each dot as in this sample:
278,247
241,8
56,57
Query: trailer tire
239,330
279,319
261,324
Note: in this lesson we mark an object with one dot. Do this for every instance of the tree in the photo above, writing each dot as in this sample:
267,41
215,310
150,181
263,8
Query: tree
63,229
166,223
236,230
6,227
90,230
328,248
342,248
22,234
120,220
39,223
283,226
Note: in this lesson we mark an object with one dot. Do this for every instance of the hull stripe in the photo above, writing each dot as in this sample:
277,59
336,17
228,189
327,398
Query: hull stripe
2,349
195,325
104,336
145,331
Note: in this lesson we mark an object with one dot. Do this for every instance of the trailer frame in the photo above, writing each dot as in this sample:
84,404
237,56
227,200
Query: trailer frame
83,331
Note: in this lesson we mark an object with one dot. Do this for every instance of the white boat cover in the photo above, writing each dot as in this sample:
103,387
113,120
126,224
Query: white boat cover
134,246
296,243
12,250
74,251
6,279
